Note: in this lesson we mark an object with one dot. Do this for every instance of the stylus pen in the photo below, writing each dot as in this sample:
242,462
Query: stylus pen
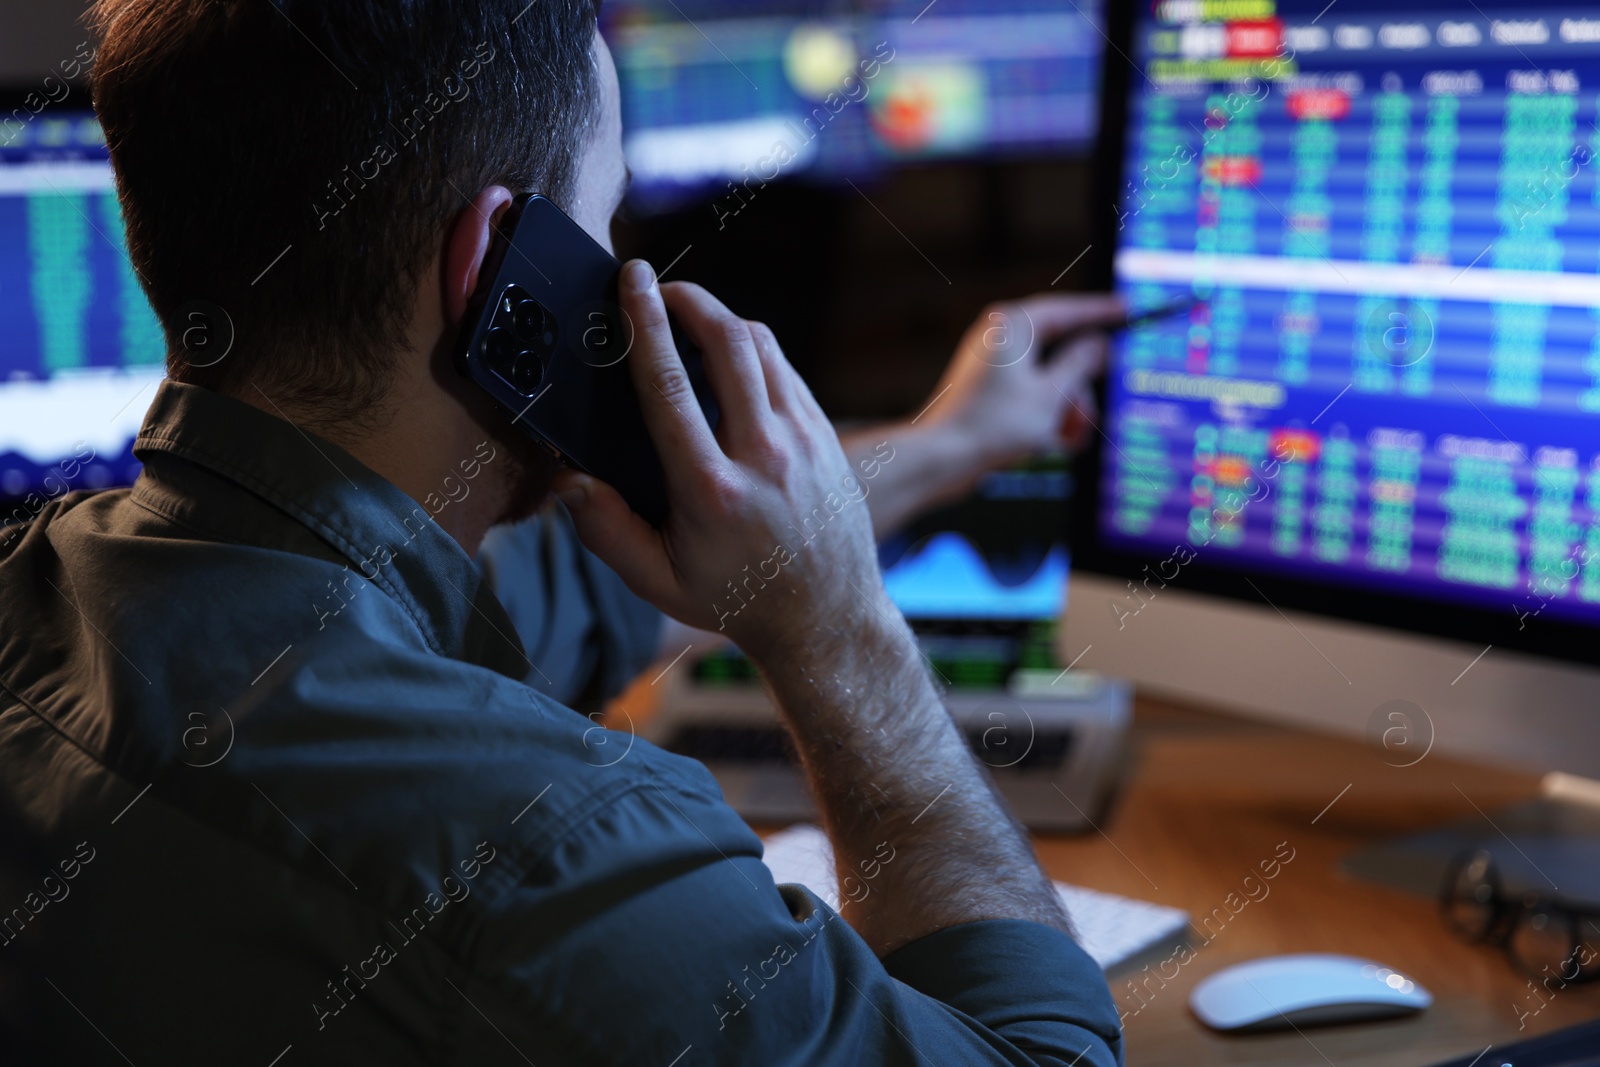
1141,318
1168,310
1156,314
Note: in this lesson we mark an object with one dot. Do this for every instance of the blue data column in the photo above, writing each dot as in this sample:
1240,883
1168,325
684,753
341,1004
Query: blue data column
1289,508
1430,243
1313,151
58,244
1535,145
1338,488
1431,237
1589,571
1482,508
1396,470
1158,212
1145,476
1553,533
1589,399
1226,225
1382,231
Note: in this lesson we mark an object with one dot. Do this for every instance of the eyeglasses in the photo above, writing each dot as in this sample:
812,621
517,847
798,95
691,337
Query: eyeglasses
1543,935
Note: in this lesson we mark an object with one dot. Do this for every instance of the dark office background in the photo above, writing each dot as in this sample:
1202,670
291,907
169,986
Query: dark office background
861,308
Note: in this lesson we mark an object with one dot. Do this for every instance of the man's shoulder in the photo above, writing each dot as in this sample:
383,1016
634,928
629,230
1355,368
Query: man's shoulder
346,795
235,679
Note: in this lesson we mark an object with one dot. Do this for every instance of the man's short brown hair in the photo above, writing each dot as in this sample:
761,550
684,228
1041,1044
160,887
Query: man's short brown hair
294,163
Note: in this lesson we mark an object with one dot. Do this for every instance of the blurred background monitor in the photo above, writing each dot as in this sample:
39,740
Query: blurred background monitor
80,349
722,92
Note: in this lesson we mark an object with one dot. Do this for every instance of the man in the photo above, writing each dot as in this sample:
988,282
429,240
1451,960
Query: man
282,783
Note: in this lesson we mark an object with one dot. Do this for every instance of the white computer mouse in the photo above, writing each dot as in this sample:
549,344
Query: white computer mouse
1277,992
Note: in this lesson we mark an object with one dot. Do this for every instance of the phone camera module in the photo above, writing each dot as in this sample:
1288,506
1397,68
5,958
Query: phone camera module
527,373
531,323
521,341
500,349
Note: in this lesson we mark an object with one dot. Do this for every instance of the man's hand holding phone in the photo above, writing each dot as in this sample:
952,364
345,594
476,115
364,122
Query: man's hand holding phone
734,552
884,759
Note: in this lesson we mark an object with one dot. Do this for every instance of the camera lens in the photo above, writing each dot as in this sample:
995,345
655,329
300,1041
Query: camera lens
527,372
500,349
528,319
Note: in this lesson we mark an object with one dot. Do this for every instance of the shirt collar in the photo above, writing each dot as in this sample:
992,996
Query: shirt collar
370,524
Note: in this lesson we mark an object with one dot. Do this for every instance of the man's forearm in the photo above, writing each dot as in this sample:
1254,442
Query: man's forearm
920,840
920,466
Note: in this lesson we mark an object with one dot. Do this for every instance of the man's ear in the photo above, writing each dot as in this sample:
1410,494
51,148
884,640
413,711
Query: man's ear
466,243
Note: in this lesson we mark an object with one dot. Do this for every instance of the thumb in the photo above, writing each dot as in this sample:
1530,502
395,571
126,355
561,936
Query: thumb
1078,362
610,529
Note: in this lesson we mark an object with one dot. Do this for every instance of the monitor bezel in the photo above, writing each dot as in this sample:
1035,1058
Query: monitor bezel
1549,638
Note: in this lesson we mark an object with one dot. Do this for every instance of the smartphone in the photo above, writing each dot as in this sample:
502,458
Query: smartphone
545,337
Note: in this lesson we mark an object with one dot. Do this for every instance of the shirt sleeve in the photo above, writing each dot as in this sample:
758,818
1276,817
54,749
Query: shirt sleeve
655,935
583,630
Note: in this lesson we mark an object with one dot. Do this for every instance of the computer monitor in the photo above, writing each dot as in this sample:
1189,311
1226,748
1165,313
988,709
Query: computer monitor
80,349
1386,403
728,91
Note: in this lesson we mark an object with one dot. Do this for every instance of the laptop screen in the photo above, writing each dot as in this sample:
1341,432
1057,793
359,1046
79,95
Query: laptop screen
999,555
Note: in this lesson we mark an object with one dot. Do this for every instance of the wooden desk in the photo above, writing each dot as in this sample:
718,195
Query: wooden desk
1209,797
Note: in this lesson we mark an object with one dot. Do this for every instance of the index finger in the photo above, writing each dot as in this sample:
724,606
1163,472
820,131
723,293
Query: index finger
672,415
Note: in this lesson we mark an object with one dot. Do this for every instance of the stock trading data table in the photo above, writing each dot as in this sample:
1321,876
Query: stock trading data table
1389,216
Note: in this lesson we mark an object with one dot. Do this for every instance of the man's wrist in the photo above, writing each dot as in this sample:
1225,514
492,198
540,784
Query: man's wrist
848,652
979,447
955,455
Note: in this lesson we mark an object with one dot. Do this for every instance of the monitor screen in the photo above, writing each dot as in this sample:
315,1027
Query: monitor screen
80,349
1388,388
717,92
